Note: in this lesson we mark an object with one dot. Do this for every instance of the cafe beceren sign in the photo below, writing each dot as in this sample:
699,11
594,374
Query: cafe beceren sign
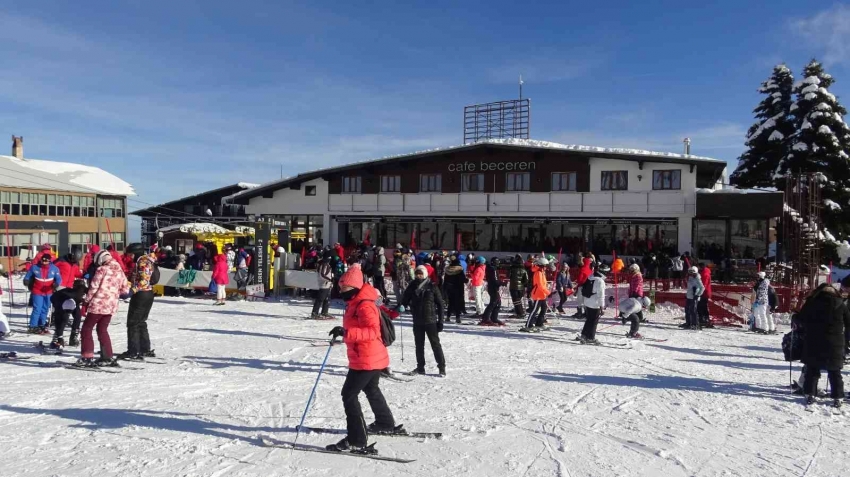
470,166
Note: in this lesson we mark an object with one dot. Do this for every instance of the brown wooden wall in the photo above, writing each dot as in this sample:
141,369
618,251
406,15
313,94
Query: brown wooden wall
545,163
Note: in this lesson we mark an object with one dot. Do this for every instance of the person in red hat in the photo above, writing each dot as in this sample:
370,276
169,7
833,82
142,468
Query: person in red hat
367,358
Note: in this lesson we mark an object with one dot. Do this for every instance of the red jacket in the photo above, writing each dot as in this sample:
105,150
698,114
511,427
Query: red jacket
584,273
636,285
705,276
362,323
220,271
340,252
128,264
118,259
68,271
478,272
93,250
43,279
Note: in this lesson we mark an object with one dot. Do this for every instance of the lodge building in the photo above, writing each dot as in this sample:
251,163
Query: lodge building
70,206
517,195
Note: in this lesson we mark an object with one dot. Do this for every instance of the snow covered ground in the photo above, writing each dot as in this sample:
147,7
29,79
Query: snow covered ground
714,403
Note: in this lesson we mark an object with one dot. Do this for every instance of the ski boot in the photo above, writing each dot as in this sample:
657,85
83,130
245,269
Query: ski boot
33,330
417,371
85,363
526,329
74,341
635,336
586,341
149,354
107,363
810,400
375,428
57,343
442,371
43,330
127,356
836,403
344,445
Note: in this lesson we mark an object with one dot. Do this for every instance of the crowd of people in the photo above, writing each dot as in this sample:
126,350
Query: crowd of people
76,285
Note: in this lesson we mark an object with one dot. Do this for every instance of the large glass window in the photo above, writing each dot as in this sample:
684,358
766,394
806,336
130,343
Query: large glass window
563,181
667,180
390,184
615,180
111,207
427,235
431,183
467,236
518,181
472,182
351,185
485,238
117,238
749,238
711,240
511,237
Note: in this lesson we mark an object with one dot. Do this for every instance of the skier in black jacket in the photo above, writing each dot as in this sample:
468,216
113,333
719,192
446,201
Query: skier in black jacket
490,317
518,284
454,287
825,319
425,303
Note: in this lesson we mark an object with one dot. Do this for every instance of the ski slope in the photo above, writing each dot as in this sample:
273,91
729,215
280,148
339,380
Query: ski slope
714,403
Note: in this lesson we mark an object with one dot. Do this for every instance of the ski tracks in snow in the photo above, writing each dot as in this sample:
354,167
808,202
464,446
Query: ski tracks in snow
815,453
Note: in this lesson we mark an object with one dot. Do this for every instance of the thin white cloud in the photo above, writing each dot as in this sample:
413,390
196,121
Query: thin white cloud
829,32
549,66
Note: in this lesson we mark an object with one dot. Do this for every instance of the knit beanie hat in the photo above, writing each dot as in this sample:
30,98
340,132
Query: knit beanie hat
353,278
421,268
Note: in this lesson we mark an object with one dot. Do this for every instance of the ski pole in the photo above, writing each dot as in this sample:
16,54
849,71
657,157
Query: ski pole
313,392
401,333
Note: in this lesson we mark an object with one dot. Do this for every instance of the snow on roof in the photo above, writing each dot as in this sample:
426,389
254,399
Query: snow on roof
204,228
515,143
62,176
735,190
247,185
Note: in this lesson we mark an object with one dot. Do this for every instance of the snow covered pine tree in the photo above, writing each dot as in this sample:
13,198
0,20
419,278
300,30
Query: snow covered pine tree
821,143
768,139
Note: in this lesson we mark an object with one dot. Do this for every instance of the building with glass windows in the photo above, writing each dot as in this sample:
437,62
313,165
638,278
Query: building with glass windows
69,206
516,195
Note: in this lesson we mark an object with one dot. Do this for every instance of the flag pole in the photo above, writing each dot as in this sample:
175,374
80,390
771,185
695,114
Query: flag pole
9,271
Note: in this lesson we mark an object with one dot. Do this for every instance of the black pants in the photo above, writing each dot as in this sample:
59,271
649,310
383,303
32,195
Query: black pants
635,319
366,381
702,311
321,301
691,318
516,298
138,340
378,280
563,296
491,313
810,382
419,334
537,315
590,323
61,318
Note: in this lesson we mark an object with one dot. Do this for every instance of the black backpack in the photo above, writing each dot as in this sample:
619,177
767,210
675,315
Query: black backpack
587,288
155,275
792,346
387,328
772,300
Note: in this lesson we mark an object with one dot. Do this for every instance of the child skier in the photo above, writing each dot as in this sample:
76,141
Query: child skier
564,286
630,310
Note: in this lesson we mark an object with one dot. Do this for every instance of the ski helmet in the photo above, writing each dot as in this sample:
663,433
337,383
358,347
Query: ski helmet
542,261
645,302
634,268
482,260
693,271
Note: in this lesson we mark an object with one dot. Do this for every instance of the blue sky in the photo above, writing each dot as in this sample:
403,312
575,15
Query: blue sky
180,97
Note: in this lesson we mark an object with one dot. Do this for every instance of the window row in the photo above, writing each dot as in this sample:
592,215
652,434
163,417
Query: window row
525,238
515,182
32,198
13,244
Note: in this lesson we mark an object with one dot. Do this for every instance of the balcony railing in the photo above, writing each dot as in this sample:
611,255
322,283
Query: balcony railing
558,202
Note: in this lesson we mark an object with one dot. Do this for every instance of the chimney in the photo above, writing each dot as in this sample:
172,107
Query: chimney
18,146
687,142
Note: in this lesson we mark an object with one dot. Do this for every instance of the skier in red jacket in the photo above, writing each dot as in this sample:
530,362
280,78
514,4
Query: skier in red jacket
367,358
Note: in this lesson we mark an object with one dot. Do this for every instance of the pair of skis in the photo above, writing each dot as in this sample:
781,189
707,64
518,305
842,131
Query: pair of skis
272,442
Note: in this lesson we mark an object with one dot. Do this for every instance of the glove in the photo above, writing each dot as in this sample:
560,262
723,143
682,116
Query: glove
439,326
337,331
